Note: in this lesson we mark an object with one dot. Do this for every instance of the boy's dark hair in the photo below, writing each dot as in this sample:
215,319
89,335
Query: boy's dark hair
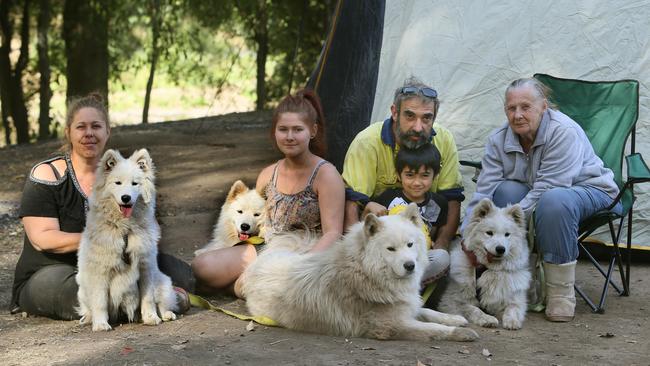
427,155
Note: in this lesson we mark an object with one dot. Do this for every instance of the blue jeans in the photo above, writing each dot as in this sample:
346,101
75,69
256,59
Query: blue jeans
557,216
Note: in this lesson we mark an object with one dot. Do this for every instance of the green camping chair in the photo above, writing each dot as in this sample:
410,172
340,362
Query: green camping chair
607,111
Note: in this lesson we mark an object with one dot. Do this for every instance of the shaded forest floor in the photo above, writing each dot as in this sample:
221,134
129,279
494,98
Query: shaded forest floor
197,161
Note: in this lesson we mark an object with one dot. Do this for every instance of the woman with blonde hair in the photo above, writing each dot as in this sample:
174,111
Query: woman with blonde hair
53,212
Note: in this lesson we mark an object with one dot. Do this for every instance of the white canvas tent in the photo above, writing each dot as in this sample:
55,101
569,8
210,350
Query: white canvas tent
470,50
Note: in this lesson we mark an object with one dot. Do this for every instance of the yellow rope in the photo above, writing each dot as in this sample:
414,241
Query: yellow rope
428,291
199,302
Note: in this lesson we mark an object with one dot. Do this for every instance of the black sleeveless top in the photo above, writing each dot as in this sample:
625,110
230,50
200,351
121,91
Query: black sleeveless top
63,200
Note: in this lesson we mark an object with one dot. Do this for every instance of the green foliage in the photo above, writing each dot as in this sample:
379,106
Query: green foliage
297,44
296,29
208,47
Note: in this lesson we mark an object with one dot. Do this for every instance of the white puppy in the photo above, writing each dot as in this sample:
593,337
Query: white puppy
495,248
241,218
118,249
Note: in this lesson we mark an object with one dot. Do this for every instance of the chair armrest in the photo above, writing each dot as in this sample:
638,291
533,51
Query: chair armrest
473,164
637,169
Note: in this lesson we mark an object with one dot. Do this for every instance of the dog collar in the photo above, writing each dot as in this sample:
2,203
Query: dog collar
471,256
478,267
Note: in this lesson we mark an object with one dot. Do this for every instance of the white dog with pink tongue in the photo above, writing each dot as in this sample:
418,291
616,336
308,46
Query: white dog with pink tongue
118,269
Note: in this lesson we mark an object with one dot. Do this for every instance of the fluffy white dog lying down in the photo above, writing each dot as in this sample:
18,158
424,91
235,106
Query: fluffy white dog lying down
365,285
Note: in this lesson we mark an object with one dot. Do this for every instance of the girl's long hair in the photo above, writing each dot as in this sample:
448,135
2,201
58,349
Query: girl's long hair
307,104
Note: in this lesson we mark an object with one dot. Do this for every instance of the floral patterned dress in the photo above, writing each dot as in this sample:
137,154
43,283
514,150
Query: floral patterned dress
290,212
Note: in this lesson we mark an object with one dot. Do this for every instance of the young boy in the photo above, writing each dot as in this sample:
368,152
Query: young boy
416,169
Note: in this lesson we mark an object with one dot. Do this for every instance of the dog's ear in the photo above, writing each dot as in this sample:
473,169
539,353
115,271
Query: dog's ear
109,160
412,213
371,225
517,215
148,190
145,163
482,209
142,158
237,188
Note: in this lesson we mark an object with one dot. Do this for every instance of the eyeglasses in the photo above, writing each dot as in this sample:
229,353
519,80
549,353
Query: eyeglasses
426,91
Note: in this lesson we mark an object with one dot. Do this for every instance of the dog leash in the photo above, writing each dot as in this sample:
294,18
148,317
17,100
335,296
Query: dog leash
199,302
428,290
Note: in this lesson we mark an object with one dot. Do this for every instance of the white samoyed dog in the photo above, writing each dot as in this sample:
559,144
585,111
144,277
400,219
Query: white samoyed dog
241,218
494,248
118,249
365,285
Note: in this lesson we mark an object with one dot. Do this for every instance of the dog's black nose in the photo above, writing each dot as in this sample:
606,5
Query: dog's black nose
500,249
126,198
245,227
409,266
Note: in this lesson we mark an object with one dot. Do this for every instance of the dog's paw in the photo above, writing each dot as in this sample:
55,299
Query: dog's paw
486,321
130,312
454,320
151,319
463,335
85,319
511,323
101,326
168,315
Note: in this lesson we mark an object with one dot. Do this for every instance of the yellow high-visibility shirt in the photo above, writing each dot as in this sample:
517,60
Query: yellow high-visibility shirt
369,166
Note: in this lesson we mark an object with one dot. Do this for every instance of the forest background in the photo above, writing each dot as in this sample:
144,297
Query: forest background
155,60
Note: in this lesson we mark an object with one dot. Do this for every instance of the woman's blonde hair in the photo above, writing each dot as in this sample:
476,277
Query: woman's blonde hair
93,100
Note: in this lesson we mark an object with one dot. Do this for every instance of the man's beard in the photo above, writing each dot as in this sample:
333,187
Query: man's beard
405,138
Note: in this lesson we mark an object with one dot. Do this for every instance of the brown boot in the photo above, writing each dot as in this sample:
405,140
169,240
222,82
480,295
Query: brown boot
560,295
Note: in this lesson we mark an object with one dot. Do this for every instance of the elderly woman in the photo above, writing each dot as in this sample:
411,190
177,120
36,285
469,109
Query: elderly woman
543,160
53,211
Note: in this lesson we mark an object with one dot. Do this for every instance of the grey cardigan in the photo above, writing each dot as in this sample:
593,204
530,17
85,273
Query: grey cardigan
561,156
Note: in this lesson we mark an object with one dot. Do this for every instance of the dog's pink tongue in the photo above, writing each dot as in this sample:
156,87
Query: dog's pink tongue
126,211
243,237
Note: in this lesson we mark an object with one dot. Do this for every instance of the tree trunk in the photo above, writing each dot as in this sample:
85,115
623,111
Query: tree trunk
262,40
85,32
5,68
156,19
43,25
21,122
11,83
294,58
5,124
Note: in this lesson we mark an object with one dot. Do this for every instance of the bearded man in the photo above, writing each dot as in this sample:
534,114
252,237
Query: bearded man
369,166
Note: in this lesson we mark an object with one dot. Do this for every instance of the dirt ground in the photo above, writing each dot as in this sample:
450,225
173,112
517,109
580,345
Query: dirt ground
197,161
